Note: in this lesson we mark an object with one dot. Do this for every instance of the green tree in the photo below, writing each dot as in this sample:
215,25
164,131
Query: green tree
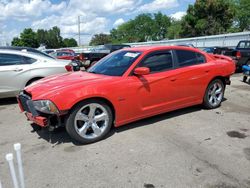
50,38
161,26
208,18
27,38
69,42
42,36
242,8
175,29
16,42
144,27
100,39
54,39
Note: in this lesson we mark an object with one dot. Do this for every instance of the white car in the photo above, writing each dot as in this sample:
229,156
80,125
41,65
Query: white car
19,68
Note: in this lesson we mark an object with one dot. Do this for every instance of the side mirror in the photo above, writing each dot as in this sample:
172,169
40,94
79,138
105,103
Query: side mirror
141,71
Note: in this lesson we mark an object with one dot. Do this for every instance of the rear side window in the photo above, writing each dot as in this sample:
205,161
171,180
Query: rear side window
187,58
28,60
158,62
10,59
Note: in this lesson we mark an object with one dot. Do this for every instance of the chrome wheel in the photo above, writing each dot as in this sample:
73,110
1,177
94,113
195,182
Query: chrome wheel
91,121
215,94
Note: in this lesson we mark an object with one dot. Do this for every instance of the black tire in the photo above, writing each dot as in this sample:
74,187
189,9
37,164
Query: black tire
206,103
70,123
244,78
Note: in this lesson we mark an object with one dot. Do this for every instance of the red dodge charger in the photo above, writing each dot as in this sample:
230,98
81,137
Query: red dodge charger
125,86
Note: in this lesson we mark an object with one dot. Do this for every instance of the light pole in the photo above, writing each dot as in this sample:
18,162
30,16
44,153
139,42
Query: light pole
79,31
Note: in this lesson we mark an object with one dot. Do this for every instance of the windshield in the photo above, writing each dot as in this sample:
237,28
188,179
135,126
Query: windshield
115,64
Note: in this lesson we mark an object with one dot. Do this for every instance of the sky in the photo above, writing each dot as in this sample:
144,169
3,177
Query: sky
96,16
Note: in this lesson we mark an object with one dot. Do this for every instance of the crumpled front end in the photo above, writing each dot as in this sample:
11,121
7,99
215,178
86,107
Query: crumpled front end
43,119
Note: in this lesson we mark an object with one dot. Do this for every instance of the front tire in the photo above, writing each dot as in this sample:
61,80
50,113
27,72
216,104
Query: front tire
244,78
89,121
214,94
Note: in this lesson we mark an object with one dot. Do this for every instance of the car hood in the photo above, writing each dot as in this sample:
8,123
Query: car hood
55,85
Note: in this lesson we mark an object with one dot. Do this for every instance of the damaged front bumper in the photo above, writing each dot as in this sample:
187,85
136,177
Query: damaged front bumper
44,120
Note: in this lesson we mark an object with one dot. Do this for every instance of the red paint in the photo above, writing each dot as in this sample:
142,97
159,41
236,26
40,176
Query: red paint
41,121
141,71
142,96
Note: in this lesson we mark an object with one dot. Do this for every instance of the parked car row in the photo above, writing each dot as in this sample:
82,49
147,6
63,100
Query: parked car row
20,67
90,58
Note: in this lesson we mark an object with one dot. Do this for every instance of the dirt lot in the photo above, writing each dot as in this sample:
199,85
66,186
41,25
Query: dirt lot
191,147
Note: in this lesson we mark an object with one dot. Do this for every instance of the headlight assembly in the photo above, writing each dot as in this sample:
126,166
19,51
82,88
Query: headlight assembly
45,106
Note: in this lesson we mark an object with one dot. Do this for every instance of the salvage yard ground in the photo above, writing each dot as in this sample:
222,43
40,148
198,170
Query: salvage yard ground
191,147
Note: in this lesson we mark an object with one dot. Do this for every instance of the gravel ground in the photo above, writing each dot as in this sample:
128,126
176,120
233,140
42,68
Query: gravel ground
191,147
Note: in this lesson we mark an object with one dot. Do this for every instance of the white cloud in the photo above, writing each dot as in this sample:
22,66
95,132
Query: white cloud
178,15
94,14
157,5
104,6
118,22
23,10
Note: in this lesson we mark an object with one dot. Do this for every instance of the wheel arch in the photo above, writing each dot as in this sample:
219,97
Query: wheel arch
33,79
224,79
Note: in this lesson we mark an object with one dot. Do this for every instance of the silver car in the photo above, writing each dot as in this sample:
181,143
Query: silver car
19,68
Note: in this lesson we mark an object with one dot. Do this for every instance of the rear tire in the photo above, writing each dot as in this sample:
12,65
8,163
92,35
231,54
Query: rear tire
214,94
89,121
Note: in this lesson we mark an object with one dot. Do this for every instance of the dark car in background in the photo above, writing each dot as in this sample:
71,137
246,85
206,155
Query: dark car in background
216,50
241,54
101,51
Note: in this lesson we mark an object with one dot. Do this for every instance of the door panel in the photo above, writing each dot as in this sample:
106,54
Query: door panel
13,74
191,76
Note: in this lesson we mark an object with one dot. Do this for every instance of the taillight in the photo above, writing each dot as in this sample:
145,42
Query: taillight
69,68
238,54
81,57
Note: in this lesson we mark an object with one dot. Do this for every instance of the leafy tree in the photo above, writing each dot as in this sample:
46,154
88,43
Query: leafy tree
208,18
54,39
161,26
69,42
27,38
42,36
51,38
100,39
144,27
242,14
174,30
16,42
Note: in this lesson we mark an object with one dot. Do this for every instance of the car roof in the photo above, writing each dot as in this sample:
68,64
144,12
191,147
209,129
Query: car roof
153,48
24,53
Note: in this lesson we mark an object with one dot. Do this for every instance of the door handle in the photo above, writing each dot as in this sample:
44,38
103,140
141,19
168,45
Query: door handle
18,69
172,79
207,71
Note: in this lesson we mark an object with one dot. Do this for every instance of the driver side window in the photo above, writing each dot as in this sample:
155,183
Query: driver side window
158,62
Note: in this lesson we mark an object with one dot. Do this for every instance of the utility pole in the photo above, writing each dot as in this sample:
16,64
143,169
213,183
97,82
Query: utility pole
79,31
